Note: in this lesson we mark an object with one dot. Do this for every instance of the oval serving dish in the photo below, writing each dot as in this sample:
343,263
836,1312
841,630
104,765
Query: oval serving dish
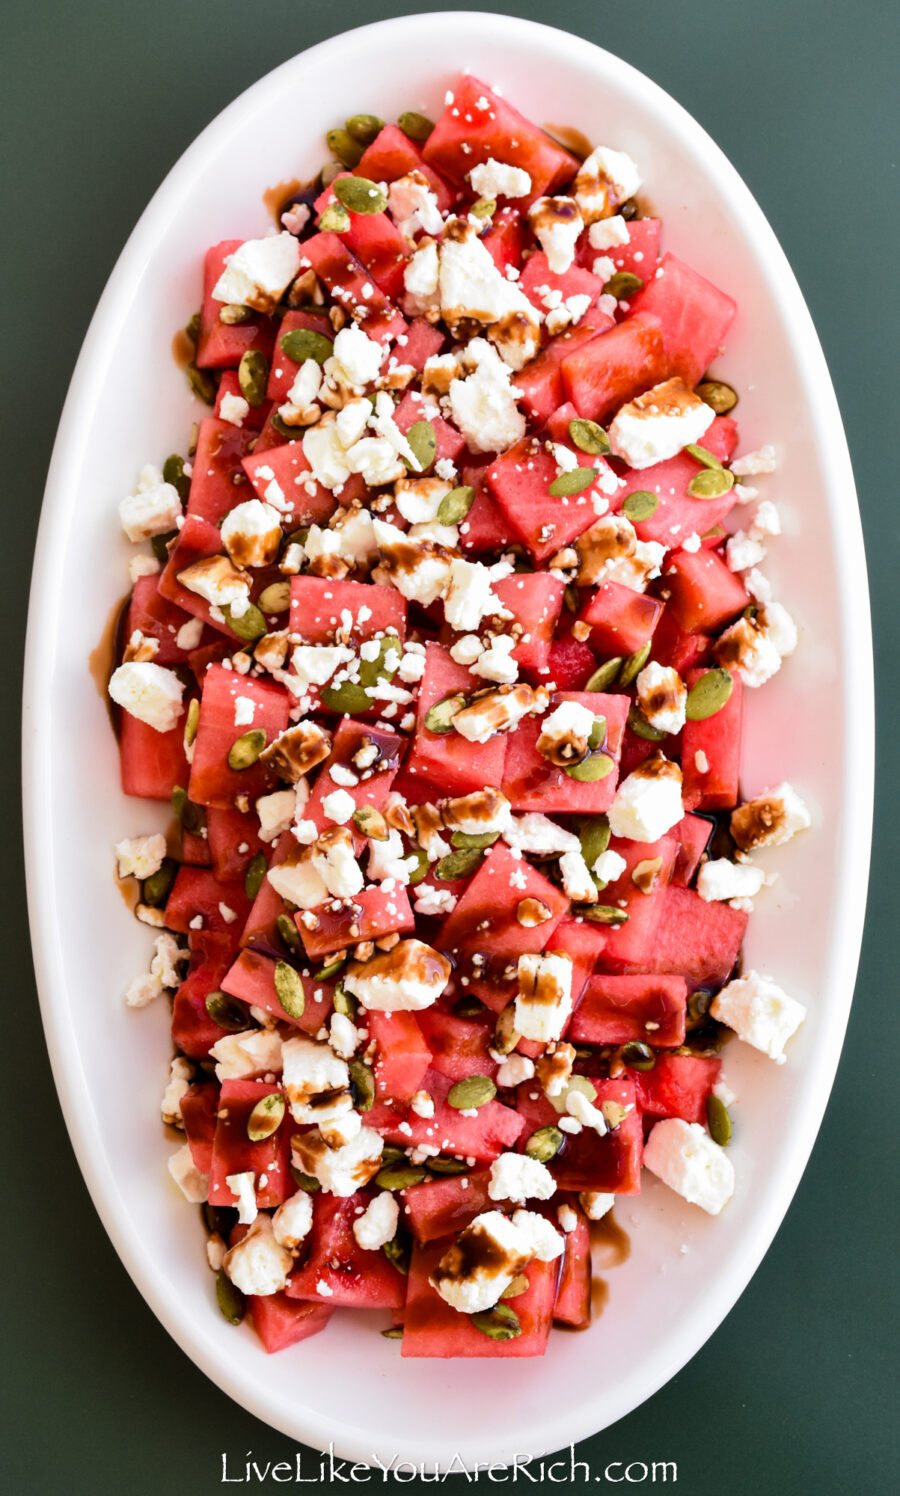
813,725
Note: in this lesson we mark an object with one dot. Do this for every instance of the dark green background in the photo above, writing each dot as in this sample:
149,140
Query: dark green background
793,1394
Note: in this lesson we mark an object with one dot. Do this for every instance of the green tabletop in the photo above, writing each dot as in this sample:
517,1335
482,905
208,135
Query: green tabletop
793,1392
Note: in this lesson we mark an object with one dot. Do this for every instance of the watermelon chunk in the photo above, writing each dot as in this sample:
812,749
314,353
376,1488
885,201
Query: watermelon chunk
197,891
532,782
317,607
352,1276
611,1163
411,409
540,383
376,242
213,781
607,371
441,1207
693,833
697,940
449,759
349,281
192,1028
392,154
573,1296
620,619
458,1046
252,979
717,740
538,279
520,481
679,1085
283,473
280,1321
432,1329
197,539
678,514
370,915
284,368
218,345
151,762
535,600
157,618
704,594
218,475
402,1056
235,1153
495,1129
616,1009
478,124
198,1113
694,317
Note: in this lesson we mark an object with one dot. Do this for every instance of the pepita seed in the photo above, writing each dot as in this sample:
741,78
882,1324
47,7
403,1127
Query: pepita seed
589,437
417,127
191,721
614,1113
576,1083
423,441
289,990
622,284
594,835
348,698
485,207
566,485
363,1082
399,1177
249,625
364,127
202,384
638,1055
155,890
698,1003
192,329
459,864
642,728
421,868
253,376
468,839
395,1332
602,914
455,505
230,1299
276,598
595,766
710,483
499,1323
718,1120
604,676
446,1166
256,872
303,343
597,734
342,145
634,664
191,816
468,1006
226,1011
161,543
266,1117
571,598
640,505
233,316
173,472
246,749
282,427
544,1144
439,718
330,969
371,823
391,1154
307,1182
398,1255
708,695
371,672
721,397
703,456
506,1036
359,194
518,1286
474,1091
290,935
335,219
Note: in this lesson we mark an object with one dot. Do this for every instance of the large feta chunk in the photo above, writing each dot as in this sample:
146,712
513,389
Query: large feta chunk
316,1081
141,856
343,1170
419,569
770,819
259,272
153,509
483,404
251,533
292,1221
496,179
481,1263
605,181
648,803
259,1264
378,1223
662,697
149,692
659,424
760,1013
299,880
544,997
721,879
539,835
251,1052
193,1184
411,976
473,289
557,224
516,1177
684,1156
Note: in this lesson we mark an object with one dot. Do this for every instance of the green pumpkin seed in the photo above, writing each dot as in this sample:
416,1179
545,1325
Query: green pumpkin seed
597,734
711,483
191,721
593,835
202,384
566,485
603,677
708,695
276,598
343,1001
364,127
721,397
703,456
622,284
363,1082
459,864
474,1091
447,1166
281,426
330,969
421,868
385,664
640,505
603,914
634,664
718,1120
335,219
253,376
307,1182
698,1003
246,749
155,890
499,1323
371,823
192,329
589,437
423,441
506,1036
439,718
517,1287
290,935
342,145
394,1333
544,1144
230,1299
485,207
571,598
360,195
161,543
576,1083
455,505
467,839
289,990
233,316
193,439
173,472
266,1117
218,1219
226,1011
255,874
348,698
191,816
468,1006
415,126
391,1154
595,766
639,1056
249,625
642,728
303,343
399,1177
398,1255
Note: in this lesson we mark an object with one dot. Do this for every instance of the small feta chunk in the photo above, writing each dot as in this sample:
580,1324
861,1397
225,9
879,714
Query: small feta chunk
544,997
609,866
648,803
338,806
760,1013
496,662
469,597
181,1073
419,569
541,1239
473,289
234,409
721,879
251,533
516,1177
578,885
537,834
684,1156
149,692
153,509
335,862
662,697
659,424
411,976
483,404
557,225
608,233
276,812
495,179
259,272
565,733
752,463
292,1221
316,1081
193,1185
259,1264
251,1052
141,856
769,819
596,1204
606,180
420,278
413,205
515,1069
218,581
498,710
378,1223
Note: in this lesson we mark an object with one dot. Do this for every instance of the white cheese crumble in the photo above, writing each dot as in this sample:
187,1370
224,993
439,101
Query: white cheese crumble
648,803
153,509
496,179
259,272
193,1184
658,425
516,1177
544,997
760,1013
378,1223
259,1265
149,692
684,1156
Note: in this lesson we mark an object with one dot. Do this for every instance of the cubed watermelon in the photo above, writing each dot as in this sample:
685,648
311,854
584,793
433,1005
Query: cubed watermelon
607,371
339,269
252,979
478,124
703,594
711,752
220,346
617,1009
679,1085
520,482
402,1055
693,314
222,722
235,1153
351,1275
586,1161
532,782
448,758
392,154
280,1321
442,1206
432,1329
620,619
218,476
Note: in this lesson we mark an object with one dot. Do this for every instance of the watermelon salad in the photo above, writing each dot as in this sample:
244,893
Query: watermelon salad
438,644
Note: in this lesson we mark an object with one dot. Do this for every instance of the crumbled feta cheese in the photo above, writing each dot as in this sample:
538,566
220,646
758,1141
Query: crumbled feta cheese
218,581
410,976
657,425
609,866
608,233
684,1156
141,856
648,803
234,409
421,279
434,902
153,509
567,1217
142,566
378,1223
483,404
544,997
578,885
496,662
190,634
721,879
760,1013
259,272
498,710
515,1069
747,647
751,463
596,1204
413,205
769,819
604,182
181,1073
466,650
338,806
539,835
334,861
251,1052
276,812
316,1081
422,1104
149,692
542,1240
496,179
473,289
557,225
167,958
193,1184
482,1262
343,1036
565,733
662,696
251,533
259,1264
315,664
340,1171
469,597
743,550
516,1177
419,569
292,1221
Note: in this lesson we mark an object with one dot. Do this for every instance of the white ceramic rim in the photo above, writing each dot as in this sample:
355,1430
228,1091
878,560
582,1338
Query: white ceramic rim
857,728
